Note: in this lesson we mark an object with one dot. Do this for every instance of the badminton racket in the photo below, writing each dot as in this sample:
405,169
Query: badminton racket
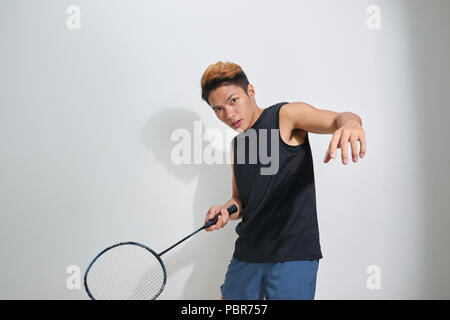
130,270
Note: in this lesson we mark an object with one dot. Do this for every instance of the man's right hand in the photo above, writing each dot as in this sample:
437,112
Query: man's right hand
222,220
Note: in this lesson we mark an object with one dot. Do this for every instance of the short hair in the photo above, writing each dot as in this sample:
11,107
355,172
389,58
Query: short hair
222,73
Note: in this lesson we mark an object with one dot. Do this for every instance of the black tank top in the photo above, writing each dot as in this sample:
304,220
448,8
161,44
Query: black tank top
279,218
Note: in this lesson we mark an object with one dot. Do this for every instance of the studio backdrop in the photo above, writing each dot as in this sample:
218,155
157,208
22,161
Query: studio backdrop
95,97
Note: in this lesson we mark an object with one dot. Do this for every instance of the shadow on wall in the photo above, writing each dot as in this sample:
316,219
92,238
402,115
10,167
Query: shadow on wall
208,252
429,53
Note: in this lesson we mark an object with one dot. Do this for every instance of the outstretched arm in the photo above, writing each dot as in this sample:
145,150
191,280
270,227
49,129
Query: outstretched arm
346,127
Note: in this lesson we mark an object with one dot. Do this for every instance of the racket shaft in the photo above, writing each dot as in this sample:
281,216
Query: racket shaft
231,209
185,238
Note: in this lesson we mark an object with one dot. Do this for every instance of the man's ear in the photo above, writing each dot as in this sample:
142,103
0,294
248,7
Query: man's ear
250,90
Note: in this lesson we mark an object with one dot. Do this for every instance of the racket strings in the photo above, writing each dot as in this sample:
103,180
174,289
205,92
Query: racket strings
126,272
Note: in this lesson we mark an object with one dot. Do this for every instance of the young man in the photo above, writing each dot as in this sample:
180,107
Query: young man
277,252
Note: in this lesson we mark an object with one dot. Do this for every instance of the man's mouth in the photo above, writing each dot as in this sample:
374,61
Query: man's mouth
237,124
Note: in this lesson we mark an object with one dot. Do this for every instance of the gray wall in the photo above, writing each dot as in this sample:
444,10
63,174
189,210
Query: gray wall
86,118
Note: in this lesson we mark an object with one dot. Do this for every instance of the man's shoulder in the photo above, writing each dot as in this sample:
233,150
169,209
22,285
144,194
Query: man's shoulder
288,132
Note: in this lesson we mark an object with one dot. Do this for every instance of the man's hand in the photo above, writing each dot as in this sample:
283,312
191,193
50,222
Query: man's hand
222,220
351,131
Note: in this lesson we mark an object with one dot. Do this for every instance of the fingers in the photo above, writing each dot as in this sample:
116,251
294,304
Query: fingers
331,152
222,219
340,140
211,214
354,147
344,146
225,217
362,141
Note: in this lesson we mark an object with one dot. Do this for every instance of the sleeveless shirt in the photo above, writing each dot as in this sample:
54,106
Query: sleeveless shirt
279,216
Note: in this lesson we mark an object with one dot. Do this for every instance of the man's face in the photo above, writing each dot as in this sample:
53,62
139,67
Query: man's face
232,106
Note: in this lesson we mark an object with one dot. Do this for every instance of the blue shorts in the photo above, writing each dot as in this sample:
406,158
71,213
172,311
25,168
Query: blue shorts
290,280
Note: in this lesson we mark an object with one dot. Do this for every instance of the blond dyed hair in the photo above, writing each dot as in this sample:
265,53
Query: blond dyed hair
222,73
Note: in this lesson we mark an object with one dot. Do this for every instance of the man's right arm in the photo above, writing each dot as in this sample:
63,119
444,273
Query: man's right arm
234,198
221,222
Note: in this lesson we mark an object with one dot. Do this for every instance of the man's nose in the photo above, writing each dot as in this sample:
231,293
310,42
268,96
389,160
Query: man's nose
229,113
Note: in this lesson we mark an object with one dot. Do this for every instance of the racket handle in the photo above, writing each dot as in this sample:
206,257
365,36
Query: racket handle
231,209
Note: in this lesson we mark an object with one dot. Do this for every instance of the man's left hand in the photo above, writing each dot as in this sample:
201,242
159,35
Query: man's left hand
351,132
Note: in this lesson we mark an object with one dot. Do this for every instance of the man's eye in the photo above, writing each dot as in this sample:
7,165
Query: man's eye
233,99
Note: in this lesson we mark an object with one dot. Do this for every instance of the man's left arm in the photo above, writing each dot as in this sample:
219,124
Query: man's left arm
346,127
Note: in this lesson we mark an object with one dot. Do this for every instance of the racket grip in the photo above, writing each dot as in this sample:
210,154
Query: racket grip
231,209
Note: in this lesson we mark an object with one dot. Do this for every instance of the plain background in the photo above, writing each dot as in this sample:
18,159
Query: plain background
86,118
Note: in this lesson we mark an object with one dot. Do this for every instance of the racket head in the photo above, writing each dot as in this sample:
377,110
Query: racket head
125,270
